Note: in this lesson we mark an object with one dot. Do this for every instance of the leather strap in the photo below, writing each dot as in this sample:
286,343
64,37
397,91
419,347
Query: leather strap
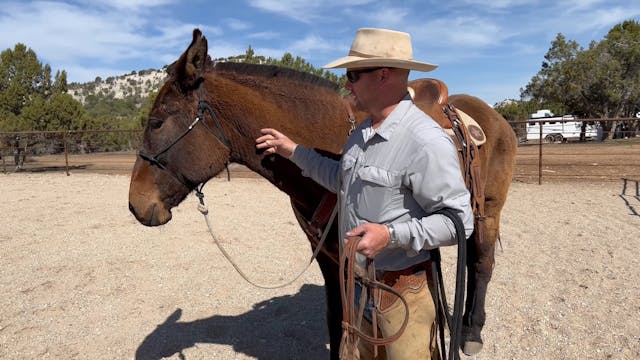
352,319
470,166
319,222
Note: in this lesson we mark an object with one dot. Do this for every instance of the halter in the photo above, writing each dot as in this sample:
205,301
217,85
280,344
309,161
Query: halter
203,106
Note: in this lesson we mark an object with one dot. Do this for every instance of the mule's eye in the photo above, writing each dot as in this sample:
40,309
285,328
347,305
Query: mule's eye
155,123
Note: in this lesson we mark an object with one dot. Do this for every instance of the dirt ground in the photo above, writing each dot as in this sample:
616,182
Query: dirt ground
81,279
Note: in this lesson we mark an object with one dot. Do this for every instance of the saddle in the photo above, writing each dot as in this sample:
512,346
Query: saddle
431,95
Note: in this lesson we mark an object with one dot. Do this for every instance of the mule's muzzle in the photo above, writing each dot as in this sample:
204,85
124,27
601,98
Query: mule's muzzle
152,215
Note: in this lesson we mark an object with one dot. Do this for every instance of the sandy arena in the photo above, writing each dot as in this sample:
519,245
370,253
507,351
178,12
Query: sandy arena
81,279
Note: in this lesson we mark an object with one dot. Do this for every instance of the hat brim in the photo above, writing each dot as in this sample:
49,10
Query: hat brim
356,62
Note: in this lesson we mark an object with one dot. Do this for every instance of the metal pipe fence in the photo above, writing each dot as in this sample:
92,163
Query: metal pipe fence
538,160
90,150
572,149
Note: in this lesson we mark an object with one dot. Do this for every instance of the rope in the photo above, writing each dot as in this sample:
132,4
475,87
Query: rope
205,212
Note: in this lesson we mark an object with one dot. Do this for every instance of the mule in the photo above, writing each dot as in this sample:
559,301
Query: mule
206,116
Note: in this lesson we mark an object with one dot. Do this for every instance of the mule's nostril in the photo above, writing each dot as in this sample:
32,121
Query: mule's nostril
133,210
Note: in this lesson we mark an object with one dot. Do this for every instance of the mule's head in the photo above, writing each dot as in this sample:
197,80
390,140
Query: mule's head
174,159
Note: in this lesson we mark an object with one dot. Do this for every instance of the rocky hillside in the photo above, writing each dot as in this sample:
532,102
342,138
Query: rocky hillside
136,85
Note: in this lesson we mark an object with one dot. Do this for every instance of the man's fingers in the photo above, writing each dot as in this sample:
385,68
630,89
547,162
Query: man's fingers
268,131
356,231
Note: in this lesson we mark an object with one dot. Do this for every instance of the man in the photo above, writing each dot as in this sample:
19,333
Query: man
18,154
397,169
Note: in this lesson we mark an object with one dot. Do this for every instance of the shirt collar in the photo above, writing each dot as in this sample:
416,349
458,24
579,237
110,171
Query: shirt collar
390,123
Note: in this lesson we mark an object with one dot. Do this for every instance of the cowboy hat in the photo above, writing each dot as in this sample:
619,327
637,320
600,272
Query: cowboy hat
380,48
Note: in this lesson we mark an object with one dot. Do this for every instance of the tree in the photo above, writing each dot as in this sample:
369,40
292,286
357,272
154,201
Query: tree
58,112
143,115
21,76
517,110
46,88
29,100
601,81
555,82
60,83
623,44
249,56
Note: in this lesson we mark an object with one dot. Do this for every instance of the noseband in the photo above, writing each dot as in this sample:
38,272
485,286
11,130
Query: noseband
203,109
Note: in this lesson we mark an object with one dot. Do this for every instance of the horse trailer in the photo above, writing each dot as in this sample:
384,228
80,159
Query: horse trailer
557,128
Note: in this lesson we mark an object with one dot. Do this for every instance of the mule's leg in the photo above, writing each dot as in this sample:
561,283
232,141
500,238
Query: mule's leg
334,303
480,261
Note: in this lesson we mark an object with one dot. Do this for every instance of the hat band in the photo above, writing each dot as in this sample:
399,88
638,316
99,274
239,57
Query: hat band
359,54
369,56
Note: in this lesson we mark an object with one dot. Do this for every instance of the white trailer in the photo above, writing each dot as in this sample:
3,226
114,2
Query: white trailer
557,128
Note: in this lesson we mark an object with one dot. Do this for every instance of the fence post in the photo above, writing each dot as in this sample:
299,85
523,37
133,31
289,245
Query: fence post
66,152
540,155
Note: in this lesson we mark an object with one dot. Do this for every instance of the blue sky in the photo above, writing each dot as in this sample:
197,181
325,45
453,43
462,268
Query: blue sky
489,49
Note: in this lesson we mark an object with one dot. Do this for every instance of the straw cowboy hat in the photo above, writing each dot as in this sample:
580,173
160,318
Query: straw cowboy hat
380,48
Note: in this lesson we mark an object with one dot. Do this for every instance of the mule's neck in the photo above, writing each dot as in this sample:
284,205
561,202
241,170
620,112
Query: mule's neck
312,116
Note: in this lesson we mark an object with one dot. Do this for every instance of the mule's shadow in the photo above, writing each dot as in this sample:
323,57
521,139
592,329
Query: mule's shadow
285,327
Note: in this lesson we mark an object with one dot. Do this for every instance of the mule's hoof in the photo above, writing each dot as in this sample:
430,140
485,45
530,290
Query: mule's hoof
471,347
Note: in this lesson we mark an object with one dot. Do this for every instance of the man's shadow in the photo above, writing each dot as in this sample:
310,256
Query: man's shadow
631,195
285,327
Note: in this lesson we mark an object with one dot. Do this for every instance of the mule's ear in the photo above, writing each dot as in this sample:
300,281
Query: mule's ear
190,68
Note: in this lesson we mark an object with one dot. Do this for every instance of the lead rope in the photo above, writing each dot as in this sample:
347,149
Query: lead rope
205,212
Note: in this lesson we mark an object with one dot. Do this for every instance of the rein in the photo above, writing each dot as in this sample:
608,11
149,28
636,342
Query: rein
352,319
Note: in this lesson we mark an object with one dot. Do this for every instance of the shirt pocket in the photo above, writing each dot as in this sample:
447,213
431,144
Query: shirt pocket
379,198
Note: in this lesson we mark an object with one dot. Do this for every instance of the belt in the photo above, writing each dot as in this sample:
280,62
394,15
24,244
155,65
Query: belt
392,275
411,278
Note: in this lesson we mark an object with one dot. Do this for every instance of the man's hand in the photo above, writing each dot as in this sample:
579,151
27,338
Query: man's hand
274,142
375,237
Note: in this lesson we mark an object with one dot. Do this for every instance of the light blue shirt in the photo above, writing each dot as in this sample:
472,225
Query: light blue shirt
400,174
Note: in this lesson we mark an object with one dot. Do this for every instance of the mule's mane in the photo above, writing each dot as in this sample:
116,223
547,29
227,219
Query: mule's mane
273,71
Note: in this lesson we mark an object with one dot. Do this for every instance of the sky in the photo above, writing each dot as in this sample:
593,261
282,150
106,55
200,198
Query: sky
489,49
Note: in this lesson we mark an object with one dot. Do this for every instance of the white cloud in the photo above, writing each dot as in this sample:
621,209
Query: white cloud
380,16
501,4
310,44
264,35
237,25
580,5
305,11
130,4
601,18
461,32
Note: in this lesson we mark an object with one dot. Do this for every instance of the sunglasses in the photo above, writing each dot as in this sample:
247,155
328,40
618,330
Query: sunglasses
354,75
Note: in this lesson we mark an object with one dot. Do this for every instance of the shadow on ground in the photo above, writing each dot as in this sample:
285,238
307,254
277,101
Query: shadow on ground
285,327
631,195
